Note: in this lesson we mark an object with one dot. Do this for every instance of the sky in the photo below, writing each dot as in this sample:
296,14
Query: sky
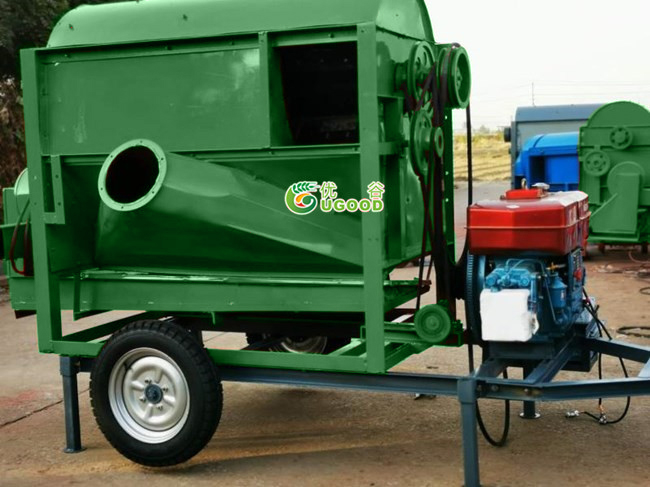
563,52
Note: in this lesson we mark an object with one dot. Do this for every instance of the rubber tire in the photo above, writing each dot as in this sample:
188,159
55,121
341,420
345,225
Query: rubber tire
332,343
205,391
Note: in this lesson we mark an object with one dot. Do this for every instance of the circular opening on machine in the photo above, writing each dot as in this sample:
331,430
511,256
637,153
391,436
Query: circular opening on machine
132,175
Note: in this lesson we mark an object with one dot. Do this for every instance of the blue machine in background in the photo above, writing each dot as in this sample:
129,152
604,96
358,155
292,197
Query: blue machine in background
537,120
550,159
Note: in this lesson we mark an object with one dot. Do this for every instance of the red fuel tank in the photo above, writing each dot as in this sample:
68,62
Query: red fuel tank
529,220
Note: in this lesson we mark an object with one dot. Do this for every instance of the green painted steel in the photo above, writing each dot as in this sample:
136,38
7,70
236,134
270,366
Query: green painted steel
154,20
175,150
614,153
433,323
221,218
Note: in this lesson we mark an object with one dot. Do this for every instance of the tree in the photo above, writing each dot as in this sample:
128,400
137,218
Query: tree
23,24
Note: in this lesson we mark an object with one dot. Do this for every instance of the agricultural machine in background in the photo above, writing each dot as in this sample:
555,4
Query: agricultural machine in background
260,168
609,160
530,121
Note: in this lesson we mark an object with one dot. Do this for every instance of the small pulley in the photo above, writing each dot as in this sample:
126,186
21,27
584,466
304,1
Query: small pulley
416,70
433,323
422,133
621,138
596,163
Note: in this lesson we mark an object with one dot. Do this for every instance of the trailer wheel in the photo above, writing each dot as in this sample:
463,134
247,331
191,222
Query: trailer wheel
155,393
318,345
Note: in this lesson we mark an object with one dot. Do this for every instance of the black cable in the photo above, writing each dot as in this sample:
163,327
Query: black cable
470,170
27,269
444,263
439,104
602,418
506,423
479,419
423,253
430,86
460,271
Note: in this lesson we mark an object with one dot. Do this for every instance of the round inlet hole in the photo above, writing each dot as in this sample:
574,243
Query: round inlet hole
132,174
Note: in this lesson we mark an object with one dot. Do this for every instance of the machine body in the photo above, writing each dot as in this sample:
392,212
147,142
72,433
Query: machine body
262,167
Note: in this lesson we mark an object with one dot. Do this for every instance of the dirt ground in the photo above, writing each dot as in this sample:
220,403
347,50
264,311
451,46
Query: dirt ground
285,436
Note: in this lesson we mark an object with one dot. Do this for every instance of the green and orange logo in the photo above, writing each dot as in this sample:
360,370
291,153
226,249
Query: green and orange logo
300,199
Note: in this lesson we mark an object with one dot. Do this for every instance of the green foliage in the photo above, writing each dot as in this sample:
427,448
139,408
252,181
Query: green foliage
23,24
12,138
27,23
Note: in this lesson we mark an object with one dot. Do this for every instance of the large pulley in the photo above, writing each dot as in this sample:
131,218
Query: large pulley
454,69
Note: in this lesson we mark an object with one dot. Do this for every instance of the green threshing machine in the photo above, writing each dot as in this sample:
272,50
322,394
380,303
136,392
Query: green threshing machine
260,167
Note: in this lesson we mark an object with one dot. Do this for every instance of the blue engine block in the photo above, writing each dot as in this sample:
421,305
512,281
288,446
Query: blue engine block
555,284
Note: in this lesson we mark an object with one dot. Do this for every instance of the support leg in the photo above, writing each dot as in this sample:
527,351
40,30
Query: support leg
467,397
69,369
530,408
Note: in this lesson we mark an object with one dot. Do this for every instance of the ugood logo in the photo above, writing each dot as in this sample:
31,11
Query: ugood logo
300,198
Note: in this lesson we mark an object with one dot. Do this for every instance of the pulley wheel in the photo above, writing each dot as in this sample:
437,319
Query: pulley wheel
596,163
439,141
421,132
421,61
477,269
433,323
454,64
621,138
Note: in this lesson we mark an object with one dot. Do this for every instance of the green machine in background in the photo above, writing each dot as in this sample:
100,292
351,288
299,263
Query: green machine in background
177,152
614,154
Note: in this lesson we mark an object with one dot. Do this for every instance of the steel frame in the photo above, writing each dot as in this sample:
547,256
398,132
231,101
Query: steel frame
483,384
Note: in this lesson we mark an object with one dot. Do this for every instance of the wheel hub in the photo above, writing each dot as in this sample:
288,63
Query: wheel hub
149,395
153,393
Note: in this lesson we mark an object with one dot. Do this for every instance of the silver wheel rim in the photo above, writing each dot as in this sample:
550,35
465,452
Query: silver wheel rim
149,395
302,345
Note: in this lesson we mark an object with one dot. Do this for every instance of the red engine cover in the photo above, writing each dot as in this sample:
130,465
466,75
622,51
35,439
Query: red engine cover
555,223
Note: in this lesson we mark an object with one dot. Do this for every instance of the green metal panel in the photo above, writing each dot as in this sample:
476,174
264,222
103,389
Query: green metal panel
154,20
107,290
614,153
280,360
237,213
233,109
94,105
